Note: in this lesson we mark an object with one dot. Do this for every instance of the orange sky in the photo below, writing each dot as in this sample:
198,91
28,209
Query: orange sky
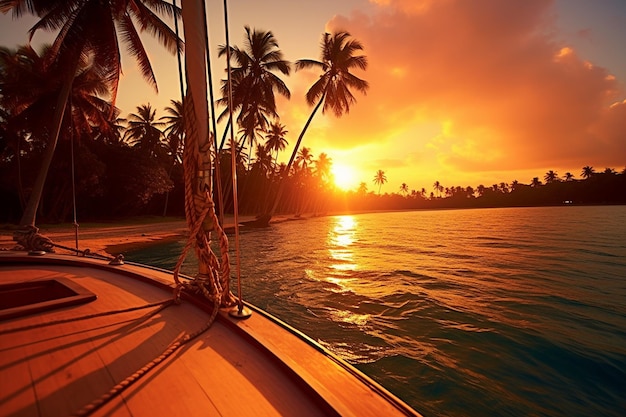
461,92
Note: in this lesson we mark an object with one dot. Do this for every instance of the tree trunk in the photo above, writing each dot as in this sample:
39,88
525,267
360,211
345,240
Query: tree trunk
30,213
293,156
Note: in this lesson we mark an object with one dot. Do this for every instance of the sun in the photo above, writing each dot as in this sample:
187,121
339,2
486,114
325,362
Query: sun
343,176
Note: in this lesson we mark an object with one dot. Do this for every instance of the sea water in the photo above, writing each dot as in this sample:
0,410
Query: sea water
487,312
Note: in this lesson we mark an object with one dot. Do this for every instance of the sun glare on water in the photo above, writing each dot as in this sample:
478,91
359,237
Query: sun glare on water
344,176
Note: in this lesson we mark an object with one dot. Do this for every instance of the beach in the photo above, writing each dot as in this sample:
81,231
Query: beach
114,238
111,239
103,238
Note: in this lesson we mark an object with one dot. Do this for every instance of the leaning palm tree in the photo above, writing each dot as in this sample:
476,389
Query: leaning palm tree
332,89
30,87
90,28
380,179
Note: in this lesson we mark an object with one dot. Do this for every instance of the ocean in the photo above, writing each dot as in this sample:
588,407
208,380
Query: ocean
482,312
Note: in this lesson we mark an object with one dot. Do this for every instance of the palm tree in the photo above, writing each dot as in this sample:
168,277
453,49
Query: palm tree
30,87
551,177
380,179
143,131
568,177
404,189
254,81
275,138
588,172
362,190
174,136
89,28
323,163
174,119
333,86
263,161
536,182
304,159
438,187
114,132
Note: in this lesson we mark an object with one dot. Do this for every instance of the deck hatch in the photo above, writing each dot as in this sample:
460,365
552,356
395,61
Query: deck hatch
23,298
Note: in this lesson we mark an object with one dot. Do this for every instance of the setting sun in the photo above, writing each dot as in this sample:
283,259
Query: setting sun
343,176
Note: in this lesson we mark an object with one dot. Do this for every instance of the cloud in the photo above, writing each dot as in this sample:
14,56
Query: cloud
504,91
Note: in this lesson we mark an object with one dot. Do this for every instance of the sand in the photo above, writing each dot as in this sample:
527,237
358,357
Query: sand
106,239
111,239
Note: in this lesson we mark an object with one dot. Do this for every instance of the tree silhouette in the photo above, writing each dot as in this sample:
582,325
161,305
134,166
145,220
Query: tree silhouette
380,179
438,188
332,89
587,172
275,140
323,164
551,177
144,131
89,28
254,82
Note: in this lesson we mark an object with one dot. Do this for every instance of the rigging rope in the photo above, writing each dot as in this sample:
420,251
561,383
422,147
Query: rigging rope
233,161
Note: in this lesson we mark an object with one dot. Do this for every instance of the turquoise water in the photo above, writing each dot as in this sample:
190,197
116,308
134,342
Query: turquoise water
499,312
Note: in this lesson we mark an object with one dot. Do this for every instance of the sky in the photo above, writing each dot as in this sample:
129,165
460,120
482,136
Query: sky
463,92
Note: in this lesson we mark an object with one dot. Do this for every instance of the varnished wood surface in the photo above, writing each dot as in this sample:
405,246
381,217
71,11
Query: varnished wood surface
252,367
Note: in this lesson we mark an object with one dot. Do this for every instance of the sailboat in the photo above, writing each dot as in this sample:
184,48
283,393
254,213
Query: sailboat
83,335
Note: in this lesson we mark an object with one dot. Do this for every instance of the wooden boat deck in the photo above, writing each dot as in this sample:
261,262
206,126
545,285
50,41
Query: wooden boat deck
58,363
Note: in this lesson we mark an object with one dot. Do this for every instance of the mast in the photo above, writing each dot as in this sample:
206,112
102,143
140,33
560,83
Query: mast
213,278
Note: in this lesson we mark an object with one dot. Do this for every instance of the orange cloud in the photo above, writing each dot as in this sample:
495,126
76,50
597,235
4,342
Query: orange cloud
506,93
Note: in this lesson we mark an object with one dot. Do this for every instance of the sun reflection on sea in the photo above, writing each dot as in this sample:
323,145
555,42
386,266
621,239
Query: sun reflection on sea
340,239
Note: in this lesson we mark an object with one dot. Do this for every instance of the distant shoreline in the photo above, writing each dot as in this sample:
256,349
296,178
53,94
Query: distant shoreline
111,239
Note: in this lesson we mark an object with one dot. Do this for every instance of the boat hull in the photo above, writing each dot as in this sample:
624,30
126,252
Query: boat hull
60,360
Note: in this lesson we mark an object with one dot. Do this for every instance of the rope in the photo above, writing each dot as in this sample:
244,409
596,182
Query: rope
233,162
163,304
88,252
213,279
131,379
73,180
29,238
